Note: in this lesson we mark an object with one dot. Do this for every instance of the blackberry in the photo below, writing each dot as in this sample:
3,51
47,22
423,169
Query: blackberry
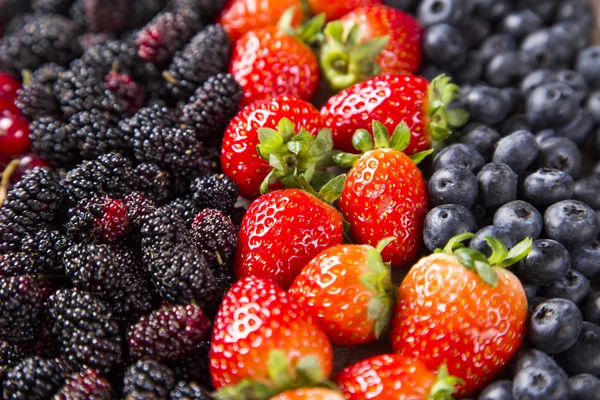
207,9
10,355
86,384
51,6
207,54
101,15
138,206
54,142
189,391
16,263
16,55
145,119
90,39
20,306
162,224
133,296
95,133
216,191
34,378
153,182
85,328
46,248
194,367
224,279
212,106
211,158
11,233
147,379
93,267
125,88
36,100
102,219
143,11
167,33
215,235
104,55
186,209
47,74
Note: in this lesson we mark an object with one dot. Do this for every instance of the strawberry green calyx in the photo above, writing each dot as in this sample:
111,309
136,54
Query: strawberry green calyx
379,281
445,385
443,118
309,32
290,153
485,266
364,142
344,60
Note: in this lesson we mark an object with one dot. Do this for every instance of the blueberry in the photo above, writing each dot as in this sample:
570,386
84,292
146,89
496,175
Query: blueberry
515,98
487,105
573,286
572,223
575,81
547,49
493,10
584,356
496,44
483,139
539,383
520,23
588,65
430,72
521,218
432,12
517,150
497,185
461,155
575,35
537,78
530,290
474,30
597,142
499,390
533,302
554,325
532,358
591,311
547,262
545,9
471,70
593,106
547,186
577,10
508,68
584,387
560,153
579,129
502,234
453,185
586,259
482,217
544,134
552,105
444,222
587,190
596,170
516,122
444,46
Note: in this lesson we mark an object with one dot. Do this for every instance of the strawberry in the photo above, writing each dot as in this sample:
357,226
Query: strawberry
385,194
241,16
309,394
337,9
283,230
394,377
349,290
392,99
254,126
264,342
275,61
475,311
369,41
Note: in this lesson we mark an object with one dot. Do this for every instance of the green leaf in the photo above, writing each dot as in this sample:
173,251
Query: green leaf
269,180
467,257
370,49
381,135
352,38
286,129
346,160
420,156
276,163
457,117
384,242
309,371
294,146
370,281
438,132
455,241
487,273
362,140
499,250
375,262
285,22
517,253
445,385
401,137
335,30
279,370
322,143
309,173
270,141
347,235
333,189
309,30
247,389
304,136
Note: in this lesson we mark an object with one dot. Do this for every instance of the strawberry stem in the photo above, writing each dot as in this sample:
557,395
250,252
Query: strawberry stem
444,119
445,386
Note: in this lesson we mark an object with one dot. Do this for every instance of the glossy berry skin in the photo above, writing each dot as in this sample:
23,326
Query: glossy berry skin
338,9
481,138
547,262
386,376
585,259
560,153
385,196
572,223
521,218
309,394
583,387
451,12
453,185
573,286
265,62
8,107
239,158
554,325
586,191
547,186
520,23
552,105
282,231
588,65
487,105
502,234
584,356
461,155
444,222
499,390
8,87
459,306
539,382
255,318
14,134
517,150
497,185
444,46
389,99
241,16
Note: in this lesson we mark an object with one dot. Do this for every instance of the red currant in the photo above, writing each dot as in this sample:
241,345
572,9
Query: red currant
8,87
8,107
14,135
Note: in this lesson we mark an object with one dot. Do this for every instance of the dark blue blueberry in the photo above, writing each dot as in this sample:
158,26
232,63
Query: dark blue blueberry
575,81
487,105
431,12
497,185
546,49
521,23
579,129
444,222
496,44
515,98
461,155
530,290
517,150
552,105
586,259
521,218
593,106
453,185
576,35
508,68
588,65
554,325
587,190
572,223
544,9
597,142
584,387
544,134
499,390
533,302
483,139
547,262
596,170
539,383
591,311
547,186
493,10
560,153
404,5
474,30
580,11
502,234
482,217
471,70
584,356
537,78
516,122
573,286
430,72
532,358
444,46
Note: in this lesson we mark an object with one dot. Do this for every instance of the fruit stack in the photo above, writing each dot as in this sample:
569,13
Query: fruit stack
209,199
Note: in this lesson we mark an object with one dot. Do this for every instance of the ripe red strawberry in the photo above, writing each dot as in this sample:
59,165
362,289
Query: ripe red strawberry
369,41
263,339
392,99
394,377
349,290
241,16
476,311
282,231
239,156
337,9
309,394
385,194
275,61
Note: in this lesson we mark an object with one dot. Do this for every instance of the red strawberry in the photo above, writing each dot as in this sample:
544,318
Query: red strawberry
385,194
239,156
337,9
349,290
282,231
394,377
264,340
369,41
392,99
241,16
476,311
309,394
275,61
